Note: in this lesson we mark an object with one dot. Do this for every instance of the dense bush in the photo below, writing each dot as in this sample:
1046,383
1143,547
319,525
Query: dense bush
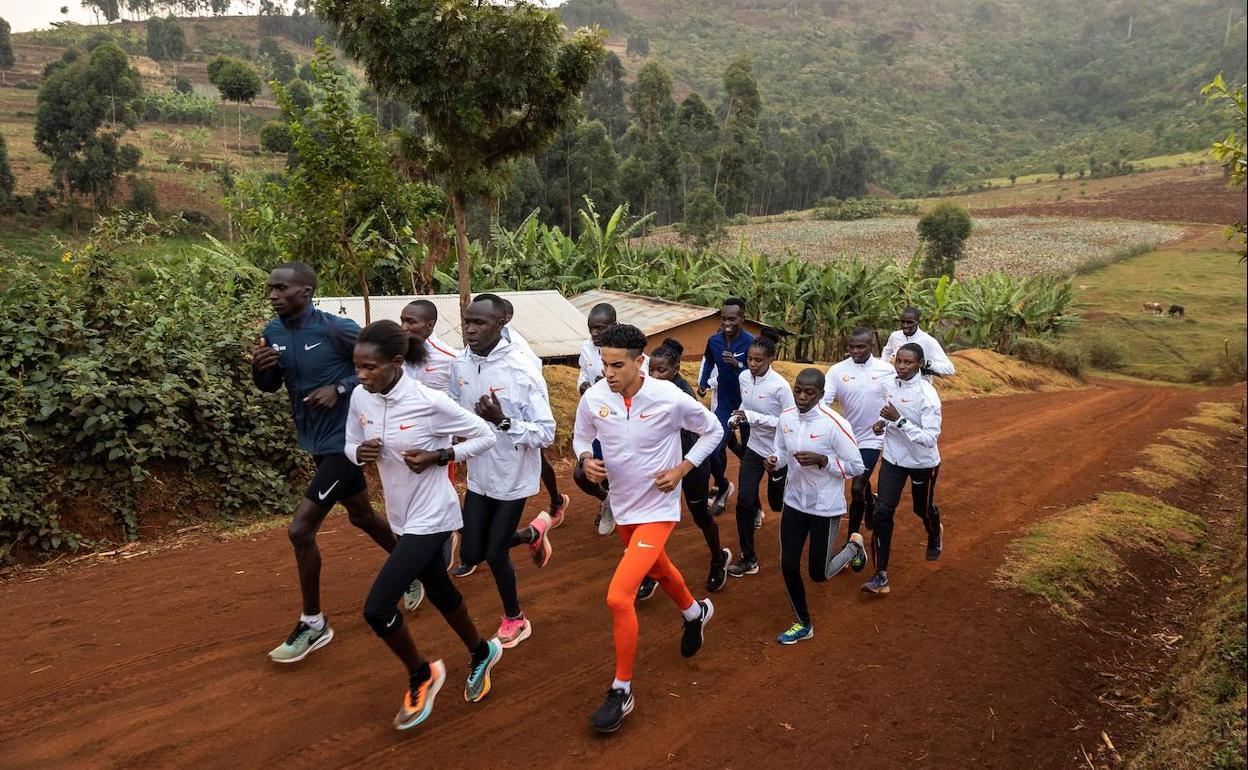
1104,352
121,374
142,196
1054,355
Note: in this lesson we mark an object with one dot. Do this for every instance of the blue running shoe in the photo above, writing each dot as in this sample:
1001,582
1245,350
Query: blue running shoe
478,685
796,633
878,584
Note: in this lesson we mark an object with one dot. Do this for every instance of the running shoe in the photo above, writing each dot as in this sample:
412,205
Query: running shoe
860,557
719,571
418,706
541,549
302,640
464,570
758,518
934,543
556,516
868,511
611,713
741,567
878,584
606,519
647,588
691,635
413,596
796,633
478,684
720,502
513,631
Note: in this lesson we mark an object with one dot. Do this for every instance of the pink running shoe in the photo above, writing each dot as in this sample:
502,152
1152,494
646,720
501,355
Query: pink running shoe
513,631
556,516
541,549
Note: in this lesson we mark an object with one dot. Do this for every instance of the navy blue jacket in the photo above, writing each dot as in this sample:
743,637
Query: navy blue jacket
316,350
728,397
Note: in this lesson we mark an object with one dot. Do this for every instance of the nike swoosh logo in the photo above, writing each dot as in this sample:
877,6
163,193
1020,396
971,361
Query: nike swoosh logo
405,427
427,369
643,544
919,483
306,346
907,400
814,436
777,478
325,494
645,416
393,620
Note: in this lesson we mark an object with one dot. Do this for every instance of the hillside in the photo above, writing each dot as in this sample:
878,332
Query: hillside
984,87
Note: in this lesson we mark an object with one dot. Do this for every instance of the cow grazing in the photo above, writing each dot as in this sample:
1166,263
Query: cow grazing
1156,308
1177,310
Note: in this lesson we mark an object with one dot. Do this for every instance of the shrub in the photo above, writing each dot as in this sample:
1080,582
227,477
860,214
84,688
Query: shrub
944,231
179,107
1104,352
142,196
127,371
1059,356
740,219
275,137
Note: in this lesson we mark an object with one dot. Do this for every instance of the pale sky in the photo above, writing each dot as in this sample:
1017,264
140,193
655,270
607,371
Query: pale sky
25,15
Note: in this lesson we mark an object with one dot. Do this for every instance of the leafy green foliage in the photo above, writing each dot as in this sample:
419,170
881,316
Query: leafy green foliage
704,219
6,47
944,230
165,39
1231,151
178,107
235,79
122,378
275,137
7,180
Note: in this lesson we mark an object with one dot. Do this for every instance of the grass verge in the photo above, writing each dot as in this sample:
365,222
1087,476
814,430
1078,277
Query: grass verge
1067,558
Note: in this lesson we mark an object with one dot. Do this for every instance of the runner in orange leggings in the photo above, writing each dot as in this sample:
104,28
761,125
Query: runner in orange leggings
638,420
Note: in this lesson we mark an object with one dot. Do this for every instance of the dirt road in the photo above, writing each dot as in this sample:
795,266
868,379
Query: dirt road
160,661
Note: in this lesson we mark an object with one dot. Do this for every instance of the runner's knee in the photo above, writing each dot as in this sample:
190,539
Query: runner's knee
858,487
620,601
301,533
382,616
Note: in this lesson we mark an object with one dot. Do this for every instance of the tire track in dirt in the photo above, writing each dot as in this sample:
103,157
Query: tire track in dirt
160,661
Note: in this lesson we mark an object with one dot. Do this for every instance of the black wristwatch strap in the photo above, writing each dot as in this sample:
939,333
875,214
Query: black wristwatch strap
445,456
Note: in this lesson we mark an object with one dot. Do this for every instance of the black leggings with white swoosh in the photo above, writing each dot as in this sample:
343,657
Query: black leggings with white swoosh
923,493
336,479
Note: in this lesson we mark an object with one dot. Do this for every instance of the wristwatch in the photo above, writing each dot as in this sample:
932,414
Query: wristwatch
342,389
445,456
901,423
504,424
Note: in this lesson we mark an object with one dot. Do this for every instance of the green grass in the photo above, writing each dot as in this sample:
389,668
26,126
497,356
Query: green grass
41,245
1204,277
1066,559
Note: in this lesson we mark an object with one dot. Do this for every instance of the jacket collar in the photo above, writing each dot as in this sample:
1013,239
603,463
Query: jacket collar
500,350
301,320
402,387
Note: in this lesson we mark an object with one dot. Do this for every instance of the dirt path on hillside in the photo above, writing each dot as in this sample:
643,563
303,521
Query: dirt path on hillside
160,661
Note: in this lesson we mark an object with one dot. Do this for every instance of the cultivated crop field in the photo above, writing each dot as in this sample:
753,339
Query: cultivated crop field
1022,245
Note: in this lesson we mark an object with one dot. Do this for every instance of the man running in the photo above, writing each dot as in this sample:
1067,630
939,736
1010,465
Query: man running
725,356
558,502
495,379
937,363
428,359
638,419
858,383
910,422
309,351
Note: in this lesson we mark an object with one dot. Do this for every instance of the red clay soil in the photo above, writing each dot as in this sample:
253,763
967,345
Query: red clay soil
159,661
1205,200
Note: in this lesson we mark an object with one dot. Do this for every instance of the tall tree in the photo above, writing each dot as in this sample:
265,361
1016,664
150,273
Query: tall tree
650,170
6,175
740,145
604,97
696,138
237,81
175,42
6,51
80,95
493,82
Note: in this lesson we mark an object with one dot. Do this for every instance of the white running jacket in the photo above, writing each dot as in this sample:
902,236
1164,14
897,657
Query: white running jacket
512,469
762,400
435,372
412,416
811,489
860,389
912,443
934,354
640,438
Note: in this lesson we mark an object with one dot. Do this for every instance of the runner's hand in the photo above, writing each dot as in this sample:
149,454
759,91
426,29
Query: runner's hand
595,470
738,417
369,451
878,428
701,392
889,412
489,409
770,463
728,358
807,459
324,397
264,357
669,479
419,459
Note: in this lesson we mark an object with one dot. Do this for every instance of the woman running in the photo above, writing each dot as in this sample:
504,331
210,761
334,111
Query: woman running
665,365
818,447
406,429
910,423
764,395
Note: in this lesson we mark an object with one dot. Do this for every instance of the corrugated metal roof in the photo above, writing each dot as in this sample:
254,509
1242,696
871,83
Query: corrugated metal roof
551,324
649,314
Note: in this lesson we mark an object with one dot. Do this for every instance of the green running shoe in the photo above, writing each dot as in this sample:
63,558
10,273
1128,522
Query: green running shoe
413,596
478,684
302,640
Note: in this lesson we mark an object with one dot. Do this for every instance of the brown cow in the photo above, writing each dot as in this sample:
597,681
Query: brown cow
1156,308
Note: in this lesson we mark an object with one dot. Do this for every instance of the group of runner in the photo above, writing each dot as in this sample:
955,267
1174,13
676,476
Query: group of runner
394,396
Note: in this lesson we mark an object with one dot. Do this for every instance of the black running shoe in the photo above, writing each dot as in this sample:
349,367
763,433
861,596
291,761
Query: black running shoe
719,571
934,543
611,713
742,567
691,637
647,588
